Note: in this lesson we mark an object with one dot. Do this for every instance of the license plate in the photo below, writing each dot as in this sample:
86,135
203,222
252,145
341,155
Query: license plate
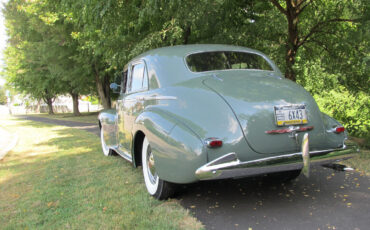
290,115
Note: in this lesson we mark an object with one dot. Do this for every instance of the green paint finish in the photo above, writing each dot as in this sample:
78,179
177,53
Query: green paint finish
253,94
182,108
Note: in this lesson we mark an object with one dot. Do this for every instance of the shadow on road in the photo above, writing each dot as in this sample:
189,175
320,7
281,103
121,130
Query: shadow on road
327,200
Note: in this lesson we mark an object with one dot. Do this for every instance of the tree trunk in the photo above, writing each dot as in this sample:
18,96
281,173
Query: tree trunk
187,33
293,40
103,88
76,111
38,106
49,101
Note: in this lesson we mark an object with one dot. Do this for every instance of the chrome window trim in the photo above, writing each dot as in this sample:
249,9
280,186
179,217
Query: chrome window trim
241,51
129,76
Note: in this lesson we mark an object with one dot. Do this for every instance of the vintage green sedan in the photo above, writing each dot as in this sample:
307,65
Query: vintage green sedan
205,112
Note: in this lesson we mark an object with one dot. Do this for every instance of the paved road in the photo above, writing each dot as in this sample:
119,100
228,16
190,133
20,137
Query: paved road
92,128
327,200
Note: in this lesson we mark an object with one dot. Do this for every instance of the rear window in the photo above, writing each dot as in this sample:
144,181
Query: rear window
225,60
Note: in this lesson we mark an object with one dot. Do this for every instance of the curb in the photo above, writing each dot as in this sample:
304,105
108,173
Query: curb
13,143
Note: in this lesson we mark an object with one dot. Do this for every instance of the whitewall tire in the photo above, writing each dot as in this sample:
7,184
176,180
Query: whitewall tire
156,187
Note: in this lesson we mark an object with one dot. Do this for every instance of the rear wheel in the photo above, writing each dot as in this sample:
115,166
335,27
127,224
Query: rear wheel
156,187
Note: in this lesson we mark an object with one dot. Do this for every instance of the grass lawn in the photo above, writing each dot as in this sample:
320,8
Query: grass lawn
85,117
57,178
361,162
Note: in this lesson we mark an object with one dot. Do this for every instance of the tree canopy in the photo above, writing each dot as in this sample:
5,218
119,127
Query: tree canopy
76,46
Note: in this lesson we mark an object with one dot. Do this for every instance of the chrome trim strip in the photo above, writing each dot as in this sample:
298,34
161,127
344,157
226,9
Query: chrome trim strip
231,49
229,166
153,97
291,129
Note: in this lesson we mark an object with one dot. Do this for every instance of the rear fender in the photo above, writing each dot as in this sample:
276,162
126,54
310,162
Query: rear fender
334,140
177,150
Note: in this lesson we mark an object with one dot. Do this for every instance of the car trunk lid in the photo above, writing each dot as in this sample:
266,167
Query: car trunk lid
253,95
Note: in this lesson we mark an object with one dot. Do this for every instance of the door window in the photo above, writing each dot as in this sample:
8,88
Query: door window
137,77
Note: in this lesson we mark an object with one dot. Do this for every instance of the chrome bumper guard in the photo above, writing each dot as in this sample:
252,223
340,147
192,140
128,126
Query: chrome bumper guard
229,166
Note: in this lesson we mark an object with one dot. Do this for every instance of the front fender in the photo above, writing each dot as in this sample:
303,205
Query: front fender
177,150
107,122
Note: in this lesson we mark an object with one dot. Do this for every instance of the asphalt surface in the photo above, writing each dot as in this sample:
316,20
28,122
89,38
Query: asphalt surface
327,200
92,128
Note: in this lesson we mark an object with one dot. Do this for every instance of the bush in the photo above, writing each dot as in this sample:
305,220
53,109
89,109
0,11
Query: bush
93,99
350,109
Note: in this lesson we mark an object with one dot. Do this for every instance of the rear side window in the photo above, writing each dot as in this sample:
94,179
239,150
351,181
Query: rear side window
138,82
225,60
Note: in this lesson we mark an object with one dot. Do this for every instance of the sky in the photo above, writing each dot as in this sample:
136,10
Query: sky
3,39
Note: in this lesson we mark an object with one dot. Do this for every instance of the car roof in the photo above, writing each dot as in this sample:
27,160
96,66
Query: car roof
168,64
184,50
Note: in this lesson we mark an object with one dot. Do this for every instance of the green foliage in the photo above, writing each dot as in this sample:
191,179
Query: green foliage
94,100
73,46
41,54
352,110
315,78
3,98
350,107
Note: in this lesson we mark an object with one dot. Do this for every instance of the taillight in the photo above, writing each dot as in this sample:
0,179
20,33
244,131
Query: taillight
339,129
213,142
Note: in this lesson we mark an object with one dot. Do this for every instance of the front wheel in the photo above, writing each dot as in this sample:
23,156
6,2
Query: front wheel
156,187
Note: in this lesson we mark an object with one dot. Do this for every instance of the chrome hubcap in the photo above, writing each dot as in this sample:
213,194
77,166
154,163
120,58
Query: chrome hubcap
151,167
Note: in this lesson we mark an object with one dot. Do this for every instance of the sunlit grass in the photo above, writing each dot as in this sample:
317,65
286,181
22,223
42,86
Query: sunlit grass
361,162
85,117
57,178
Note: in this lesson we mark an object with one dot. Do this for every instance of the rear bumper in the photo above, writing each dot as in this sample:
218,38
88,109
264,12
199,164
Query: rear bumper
229,166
